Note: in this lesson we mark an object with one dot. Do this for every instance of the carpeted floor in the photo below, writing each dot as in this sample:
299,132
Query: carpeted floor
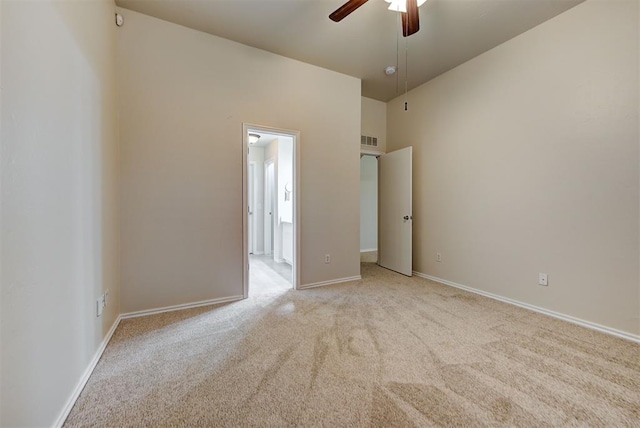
385,351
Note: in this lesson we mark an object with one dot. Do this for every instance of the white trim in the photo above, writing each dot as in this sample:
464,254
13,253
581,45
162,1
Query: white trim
62,417
245,209
370,152
558,315
369,250
296,201
180,307
331,282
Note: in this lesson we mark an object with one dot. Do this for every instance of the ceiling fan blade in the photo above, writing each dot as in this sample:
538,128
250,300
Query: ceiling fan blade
344,10
411,19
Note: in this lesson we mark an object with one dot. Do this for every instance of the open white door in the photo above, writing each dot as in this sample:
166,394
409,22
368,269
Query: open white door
252,202
269,206
395,220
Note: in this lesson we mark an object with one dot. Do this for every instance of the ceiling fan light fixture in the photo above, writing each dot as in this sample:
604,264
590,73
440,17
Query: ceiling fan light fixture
253,138
401,5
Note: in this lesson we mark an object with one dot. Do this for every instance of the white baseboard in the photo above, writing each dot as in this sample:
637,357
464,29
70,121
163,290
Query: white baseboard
180,307
369,250
333,281
62,417
558,315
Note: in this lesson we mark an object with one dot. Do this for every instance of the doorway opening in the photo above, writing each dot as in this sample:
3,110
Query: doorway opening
369,208
386,219
270,176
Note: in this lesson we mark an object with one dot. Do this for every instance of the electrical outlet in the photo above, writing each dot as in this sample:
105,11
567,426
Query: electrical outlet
327,258
100,304
438,257
542,279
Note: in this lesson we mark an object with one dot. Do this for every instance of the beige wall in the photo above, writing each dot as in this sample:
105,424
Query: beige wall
183,98
526,161
59,230
374,120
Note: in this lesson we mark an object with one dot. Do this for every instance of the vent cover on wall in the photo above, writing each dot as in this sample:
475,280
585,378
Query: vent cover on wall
365,140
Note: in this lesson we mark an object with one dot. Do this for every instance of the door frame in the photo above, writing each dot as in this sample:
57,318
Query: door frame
270,193
374,154
295,135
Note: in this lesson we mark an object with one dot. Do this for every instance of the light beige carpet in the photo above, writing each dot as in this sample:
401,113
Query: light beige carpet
385,351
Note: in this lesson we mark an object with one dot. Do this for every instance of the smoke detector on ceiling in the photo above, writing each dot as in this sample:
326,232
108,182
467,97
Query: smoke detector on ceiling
390,71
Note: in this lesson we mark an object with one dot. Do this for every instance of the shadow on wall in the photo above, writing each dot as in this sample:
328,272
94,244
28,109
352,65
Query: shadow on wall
83,31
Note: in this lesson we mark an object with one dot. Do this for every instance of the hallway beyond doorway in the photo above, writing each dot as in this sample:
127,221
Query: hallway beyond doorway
270,219
268,276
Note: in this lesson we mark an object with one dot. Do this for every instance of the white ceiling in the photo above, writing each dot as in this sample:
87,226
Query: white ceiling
364,43
265,138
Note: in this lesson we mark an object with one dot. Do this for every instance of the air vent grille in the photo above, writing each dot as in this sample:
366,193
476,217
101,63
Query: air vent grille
366,140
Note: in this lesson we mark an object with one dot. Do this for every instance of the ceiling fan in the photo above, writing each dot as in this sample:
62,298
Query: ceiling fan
410,15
